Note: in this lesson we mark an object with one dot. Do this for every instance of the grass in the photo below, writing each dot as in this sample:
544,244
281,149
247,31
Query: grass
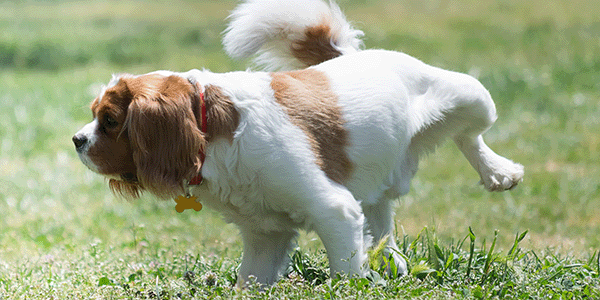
64,236
168,271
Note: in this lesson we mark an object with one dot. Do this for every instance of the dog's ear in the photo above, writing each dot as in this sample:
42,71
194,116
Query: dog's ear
223,118
164,135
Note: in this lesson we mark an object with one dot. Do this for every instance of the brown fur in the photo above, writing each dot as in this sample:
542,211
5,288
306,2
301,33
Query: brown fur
125,188
164,135
223,119
158,132
112,149
312,106
156,142
316,47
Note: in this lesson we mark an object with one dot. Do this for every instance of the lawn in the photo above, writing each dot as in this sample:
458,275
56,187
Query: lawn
63,235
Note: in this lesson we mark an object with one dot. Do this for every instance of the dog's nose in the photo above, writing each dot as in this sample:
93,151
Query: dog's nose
79,141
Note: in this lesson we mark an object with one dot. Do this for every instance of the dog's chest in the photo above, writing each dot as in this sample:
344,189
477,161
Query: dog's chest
248,206
234,189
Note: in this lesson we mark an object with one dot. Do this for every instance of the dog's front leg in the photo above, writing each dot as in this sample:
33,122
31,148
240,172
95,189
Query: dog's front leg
265,255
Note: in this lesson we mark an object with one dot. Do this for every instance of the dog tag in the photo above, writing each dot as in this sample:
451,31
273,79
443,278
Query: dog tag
187,202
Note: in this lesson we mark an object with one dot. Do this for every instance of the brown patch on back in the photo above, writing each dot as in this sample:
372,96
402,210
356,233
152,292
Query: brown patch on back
311,104
316,47
222,118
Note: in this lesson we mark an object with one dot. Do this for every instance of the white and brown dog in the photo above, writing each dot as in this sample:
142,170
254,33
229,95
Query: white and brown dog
327,147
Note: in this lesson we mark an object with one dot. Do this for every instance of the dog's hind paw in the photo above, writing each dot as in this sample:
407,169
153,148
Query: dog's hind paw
501,175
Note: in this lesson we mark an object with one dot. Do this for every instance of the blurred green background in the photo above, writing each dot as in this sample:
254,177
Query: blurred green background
539,59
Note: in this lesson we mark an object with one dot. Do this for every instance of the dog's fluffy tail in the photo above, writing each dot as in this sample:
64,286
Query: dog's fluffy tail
289,34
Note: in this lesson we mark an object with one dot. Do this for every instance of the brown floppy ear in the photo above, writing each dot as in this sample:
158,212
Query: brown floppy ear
223,118
164,135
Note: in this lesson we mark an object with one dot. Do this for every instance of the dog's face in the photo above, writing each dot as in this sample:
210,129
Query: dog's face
145,134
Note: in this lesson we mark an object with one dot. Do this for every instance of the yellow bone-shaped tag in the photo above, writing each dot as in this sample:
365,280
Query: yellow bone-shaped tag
188,202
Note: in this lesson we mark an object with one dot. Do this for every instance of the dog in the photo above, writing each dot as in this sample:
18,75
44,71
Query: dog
325,143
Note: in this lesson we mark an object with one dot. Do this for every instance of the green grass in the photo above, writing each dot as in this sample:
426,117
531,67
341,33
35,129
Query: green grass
63,235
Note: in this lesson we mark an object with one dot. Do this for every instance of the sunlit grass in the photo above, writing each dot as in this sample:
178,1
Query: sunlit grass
62,234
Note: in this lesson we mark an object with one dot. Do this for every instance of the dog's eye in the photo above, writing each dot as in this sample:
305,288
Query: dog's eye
110,122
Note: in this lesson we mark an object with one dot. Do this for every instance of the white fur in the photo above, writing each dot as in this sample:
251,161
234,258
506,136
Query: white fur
88,132
113,81
270,27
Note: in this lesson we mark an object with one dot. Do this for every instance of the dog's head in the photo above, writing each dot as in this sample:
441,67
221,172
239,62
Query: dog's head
145,134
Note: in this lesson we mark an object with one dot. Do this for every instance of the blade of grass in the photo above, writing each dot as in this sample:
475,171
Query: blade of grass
488,260
598,262
434,251
518,238
376,255
471,252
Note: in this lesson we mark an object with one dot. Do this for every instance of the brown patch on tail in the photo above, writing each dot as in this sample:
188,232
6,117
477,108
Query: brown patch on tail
316,46
311,104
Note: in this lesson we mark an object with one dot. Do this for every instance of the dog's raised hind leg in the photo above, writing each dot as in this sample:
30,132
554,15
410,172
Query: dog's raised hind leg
497,173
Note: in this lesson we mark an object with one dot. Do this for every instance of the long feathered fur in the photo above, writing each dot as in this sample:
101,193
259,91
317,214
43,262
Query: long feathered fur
291,34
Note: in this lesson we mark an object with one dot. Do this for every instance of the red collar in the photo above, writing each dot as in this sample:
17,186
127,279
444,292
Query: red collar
198,179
